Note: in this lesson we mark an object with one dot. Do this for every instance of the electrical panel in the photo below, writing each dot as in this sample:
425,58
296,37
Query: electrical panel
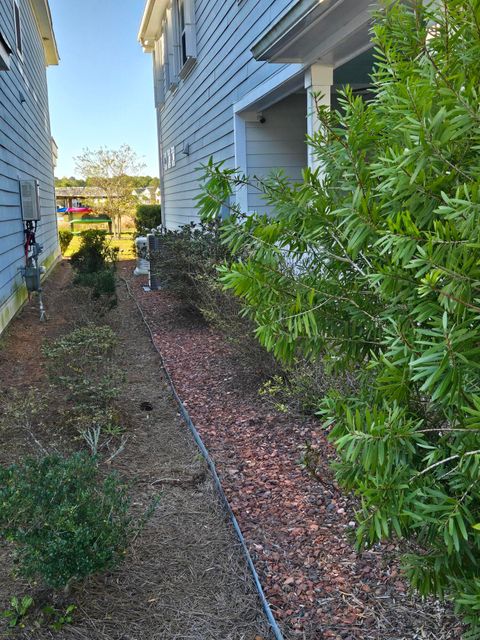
30,200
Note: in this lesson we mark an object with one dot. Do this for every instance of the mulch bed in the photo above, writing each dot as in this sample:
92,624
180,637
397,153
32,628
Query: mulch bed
298,528
184,576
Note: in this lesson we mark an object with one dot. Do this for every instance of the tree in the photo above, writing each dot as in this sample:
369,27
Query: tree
376,268
69,182
111,170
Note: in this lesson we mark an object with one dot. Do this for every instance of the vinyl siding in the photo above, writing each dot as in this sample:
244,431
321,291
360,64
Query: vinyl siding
200,110
25,153
278,143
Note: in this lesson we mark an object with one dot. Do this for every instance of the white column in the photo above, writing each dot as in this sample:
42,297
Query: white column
318,80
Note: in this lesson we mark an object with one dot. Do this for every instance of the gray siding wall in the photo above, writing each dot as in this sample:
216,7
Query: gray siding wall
25,153
278,143
200,110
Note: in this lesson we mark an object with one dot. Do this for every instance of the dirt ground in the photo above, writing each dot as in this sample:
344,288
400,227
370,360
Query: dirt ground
184,576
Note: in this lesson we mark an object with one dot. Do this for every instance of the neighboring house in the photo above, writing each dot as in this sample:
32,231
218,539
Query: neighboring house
27,46
148,195
79,196
234,80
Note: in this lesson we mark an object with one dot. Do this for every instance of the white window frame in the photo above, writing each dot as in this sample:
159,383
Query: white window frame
17,25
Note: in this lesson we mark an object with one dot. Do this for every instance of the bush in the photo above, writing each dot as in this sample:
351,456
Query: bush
374,267
148,217
65,236
95,263
65,522
186,257
186,264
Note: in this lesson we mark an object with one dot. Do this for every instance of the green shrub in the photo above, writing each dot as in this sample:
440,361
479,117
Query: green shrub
64,521
65,236
94,264
374,267
148,216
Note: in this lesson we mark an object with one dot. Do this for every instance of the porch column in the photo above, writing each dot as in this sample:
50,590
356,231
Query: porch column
318,79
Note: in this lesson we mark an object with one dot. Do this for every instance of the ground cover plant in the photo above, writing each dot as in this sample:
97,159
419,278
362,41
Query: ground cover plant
371,264
80,364
64,521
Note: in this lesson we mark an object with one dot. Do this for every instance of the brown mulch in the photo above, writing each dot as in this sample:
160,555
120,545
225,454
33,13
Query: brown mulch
184,576
298,528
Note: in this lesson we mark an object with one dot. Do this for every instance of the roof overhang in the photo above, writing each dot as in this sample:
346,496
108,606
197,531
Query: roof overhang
151,26
328,31
43,16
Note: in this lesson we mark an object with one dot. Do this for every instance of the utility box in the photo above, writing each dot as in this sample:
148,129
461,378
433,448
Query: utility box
154,243
30,200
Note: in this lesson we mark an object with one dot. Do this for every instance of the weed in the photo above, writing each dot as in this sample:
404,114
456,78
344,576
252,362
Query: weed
18,610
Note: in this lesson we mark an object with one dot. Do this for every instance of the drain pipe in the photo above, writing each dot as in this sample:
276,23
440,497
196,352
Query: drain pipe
211,464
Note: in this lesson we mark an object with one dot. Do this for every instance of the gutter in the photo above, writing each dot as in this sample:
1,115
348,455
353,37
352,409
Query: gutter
41,11
151,25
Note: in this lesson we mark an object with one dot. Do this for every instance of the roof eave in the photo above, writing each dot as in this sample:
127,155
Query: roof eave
291,21
151,25
43,16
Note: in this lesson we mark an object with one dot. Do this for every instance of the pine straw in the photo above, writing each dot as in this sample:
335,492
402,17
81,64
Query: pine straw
184,576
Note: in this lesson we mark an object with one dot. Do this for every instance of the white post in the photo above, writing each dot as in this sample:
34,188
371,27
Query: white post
318,79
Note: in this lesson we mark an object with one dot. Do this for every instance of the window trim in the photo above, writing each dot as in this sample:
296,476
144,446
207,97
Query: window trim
17,23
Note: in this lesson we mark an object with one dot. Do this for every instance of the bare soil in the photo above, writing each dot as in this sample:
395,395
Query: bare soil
184,576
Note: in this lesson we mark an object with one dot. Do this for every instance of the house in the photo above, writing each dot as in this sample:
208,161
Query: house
147,195
234,81
27,46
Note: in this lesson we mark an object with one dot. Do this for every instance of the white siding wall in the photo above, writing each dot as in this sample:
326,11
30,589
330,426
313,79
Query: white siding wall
278,143
200,110
25,153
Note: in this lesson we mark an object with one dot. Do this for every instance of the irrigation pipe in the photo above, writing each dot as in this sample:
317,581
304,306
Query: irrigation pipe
211,464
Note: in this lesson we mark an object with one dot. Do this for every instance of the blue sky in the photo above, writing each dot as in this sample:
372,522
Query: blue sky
101,94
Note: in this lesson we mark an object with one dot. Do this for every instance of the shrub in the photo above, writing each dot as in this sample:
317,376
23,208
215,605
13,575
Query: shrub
94,264
148,217
186,257
186,264
375,268
65,522
65,236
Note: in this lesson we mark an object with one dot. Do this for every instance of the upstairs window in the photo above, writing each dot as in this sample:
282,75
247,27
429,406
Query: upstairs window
18,27
182,32
186,41
5,53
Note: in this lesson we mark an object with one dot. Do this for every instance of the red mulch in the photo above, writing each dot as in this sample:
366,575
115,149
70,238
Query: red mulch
296,527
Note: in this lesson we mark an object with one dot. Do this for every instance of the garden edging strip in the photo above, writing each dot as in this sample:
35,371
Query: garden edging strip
211,464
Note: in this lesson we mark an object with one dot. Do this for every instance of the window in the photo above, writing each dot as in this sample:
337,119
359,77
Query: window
182,32
186,42
5,53
18,27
